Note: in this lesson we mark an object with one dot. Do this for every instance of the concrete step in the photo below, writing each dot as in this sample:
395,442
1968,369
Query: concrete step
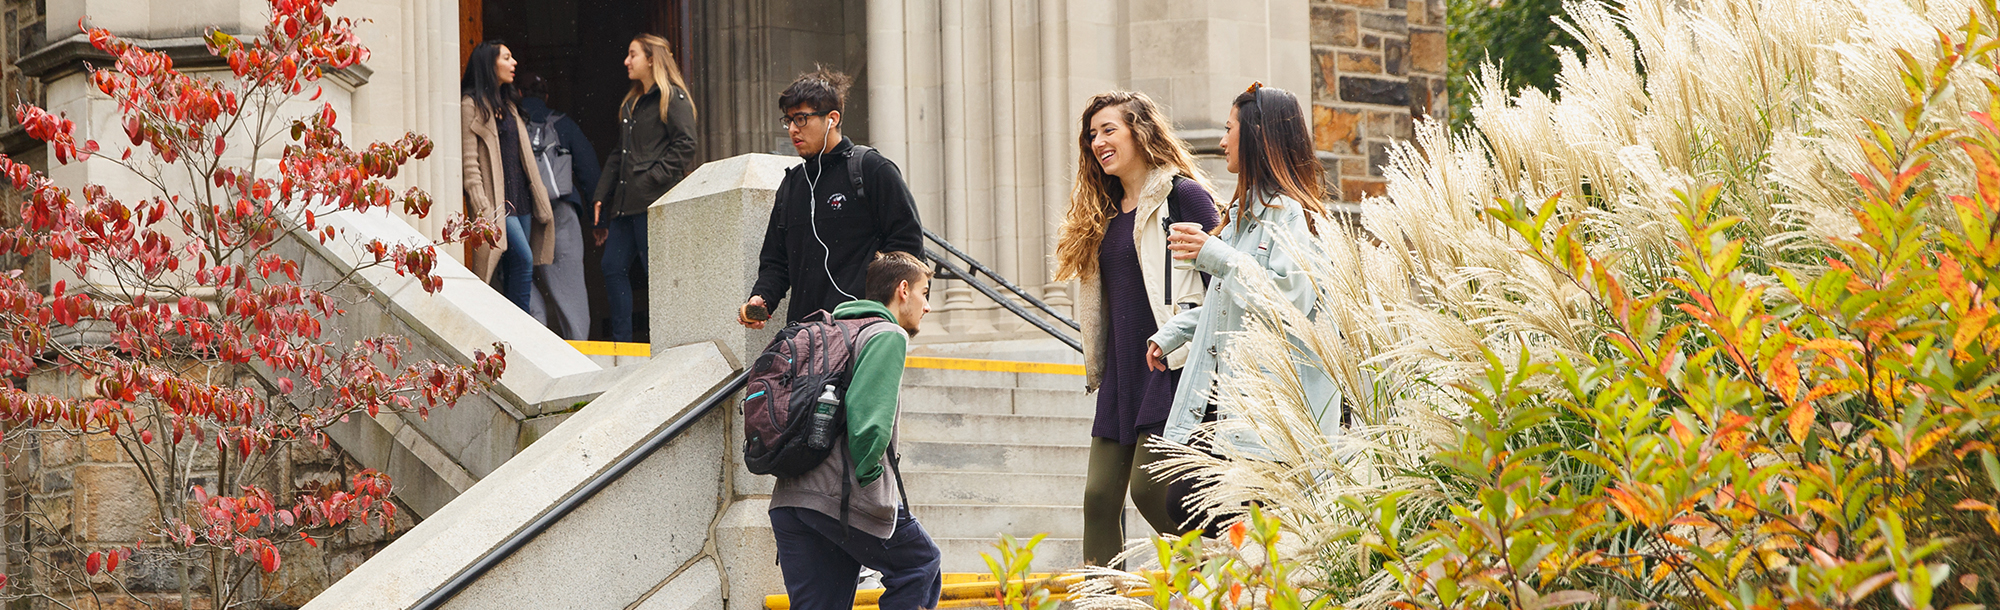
1006,488
954,378
918,425
999,401
1051,555
1023,521
994,457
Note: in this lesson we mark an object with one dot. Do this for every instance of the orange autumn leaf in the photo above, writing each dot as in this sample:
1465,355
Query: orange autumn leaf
1801,420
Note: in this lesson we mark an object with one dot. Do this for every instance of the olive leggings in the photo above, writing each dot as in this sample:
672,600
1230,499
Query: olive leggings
1114,467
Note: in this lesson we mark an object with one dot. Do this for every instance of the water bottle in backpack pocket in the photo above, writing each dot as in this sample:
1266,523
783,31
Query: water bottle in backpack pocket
792,412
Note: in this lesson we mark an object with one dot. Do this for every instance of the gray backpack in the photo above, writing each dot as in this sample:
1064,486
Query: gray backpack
551,156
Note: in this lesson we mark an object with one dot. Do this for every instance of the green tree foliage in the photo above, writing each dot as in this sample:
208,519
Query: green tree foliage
1521,36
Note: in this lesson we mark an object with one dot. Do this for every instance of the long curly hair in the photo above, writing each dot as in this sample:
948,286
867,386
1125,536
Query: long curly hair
665,72
1095,199
1275,152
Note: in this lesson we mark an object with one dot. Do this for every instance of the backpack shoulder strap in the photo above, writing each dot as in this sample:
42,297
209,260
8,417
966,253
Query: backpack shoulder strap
545,134
1167,221
854,157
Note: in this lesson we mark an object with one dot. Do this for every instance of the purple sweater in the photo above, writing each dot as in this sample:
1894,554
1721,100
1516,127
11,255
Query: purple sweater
1134,399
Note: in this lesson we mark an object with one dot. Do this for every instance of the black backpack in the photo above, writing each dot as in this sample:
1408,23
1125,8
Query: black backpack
1172,216
784,389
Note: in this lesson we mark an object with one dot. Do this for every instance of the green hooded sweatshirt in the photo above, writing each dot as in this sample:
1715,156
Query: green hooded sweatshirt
871,395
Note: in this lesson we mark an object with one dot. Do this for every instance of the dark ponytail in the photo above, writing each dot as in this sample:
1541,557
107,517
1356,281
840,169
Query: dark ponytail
1275,151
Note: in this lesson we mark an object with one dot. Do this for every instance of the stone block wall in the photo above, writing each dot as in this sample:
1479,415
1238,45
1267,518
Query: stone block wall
67,495
1377,64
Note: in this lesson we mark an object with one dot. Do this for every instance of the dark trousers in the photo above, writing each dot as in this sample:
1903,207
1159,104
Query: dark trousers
624,249
821,561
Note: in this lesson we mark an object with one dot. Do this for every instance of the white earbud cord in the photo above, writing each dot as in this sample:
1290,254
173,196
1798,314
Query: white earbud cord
812,214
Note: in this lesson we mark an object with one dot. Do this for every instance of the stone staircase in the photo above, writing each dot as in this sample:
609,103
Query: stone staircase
990,452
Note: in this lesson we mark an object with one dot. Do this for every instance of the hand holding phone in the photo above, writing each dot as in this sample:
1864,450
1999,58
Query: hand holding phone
754,313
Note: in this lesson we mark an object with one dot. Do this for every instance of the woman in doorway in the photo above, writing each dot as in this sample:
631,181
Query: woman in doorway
1133,179
1269,228
500,184
655,150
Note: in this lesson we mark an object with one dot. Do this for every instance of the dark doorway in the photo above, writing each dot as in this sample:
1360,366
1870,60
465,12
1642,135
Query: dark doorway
579,47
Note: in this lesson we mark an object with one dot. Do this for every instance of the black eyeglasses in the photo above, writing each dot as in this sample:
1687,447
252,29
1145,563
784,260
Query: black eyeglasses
798,118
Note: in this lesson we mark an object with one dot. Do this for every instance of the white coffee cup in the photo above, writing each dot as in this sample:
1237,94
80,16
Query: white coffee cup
1184,227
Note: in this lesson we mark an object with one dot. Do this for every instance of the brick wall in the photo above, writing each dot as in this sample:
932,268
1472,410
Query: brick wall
1376,64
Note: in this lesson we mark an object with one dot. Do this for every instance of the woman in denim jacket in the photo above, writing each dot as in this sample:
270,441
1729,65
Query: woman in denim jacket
1272,224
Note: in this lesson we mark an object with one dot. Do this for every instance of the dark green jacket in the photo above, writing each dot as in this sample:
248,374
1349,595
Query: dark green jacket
652,155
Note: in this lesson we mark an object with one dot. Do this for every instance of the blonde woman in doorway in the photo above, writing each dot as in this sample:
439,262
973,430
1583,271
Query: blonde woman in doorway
655,151
501,184
1134,178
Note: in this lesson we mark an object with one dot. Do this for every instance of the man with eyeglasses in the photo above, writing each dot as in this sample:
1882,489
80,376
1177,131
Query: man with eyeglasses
833,212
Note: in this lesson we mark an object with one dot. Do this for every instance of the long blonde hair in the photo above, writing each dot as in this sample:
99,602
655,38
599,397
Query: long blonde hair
665,72
1095,199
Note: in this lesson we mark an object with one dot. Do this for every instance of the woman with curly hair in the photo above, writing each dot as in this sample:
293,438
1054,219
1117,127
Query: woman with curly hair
1134,178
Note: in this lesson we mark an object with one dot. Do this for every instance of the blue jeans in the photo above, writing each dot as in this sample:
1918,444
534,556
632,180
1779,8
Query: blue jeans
517,265
821,559
624,249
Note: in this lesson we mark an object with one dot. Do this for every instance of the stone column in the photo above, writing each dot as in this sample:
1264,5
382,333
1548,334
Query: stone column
705,235
1001,220
415,89
1057,153
956,148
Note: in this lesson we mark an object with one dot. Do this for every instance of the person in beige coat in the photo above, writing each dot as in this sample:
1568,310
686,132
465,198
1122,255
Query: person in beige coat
1133,179
501,185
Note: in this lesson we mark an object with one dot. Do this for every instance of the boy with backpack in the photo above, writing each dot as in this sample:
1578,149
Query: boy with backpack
848,509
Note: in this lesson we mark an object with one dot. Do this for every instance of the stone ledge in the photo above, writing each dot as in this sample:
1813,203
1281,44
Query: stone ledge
527,486
74,54
543,371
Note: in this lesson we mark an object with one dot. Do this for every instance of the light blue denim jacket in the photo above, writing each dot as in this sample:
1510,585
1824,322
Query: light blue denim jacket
1245,246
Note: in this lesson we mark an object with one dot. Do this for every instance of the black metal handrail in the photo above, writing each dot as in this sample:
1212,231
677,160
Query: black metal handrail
951,270
451,588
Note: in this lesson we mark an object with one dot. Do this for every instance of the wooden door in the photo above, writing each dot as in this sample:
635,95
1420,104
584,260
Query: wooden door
471,28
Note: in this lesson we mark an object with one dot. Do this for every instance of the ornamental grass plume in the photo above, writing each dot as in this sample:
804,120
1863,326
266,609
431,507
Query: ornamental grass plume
1707,326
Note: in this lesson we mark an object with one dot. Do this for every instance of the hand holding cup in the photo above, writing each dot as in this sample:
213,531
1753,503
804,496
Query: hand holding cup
1185,241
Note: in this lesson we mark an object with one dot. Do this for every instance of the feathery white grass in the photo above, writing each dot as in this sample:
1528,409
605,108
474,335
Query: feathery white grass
1763,97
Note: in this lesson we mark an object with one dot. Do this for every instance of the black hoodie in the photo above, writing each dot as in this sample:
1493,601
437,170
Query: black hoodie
852,228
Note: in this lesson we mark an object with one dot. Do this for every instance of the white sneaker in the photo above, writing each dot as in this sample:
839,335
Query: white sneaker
869,579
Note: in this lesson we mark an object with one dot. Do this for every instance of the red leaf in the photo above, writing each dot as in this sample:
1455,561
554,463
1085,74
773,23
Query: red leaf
91,563
268,559
111,561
